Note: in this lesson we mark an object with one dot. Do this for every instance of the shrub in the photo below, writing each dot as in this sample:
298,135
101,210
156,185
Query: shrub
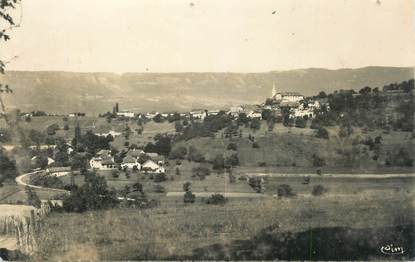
300,122
194,155
201,172
218,162
159,189
285,190
115,173
321,132
178,153
160,177
232,160
318,190
255,145
318,161
178,171
232,146
216,199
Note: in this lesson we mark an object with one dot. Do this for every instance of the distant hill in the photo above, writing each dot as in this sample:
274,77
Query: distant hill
93,93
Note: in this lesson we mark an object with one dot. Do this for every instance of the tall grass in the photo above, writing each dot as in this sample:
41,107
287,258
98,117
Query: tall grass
171,233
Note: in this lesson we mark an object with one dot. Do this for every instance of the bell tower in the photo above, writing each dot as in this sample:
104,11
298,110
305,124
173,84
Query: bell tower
274,90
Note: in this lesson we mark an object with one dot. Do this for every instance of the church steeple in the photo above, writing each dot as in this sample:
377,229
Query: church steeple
274,89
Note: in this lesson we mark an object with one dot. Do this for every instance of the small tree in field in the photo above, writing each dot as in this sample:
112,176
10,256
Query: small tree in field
318,190
189,197
32,198
216,199
285,190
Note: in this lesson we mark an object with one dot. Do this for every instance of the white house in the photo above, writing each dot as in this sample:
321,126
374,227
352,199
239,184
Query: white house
101,163
50,160
112,133
126,114
288,97
254,114
130,162
151,167
198,114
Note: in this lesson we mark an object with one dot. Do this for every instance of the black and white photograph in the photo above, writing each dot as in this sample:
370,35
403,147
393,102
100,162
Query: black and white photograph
207,130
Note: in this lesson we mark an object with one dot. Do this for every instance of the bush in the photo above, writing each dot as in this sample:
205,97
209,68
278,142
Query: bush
232,146
201,172
285,190
257,184
318,190
300,122
159,189
115,173
318,161
189,197
216,199
160,177
255,145
232,160
32,198
194,155
178,153
321,132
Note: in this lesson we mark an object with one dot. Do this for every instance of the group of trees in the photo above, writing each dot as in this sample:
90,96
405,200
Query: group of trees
369,108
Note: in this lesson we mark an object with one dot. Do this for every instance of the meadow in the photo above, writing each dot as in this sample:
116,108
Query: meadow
186,231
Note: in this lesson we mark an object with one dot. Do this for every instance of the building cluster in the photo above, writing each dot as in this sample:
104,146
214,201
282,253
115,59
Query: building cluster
135,159
293,102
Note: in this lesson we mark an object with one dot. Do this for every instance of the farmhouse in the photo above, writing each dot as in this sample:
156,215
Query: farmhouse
130,162
151,167
126,114
112,133
254,114
58,171
102,163
198,114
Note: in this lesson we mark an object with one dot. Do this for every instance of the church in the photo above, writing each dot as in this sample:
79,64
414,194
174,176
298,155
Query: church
286,97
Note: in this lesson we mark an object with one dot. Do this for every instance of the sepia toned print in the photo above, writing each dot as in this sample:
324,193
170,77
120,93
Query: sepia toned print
207,130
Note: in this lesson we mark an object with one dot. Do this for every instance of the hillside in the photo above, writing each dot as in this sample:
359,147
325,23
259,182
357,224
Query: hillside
63,92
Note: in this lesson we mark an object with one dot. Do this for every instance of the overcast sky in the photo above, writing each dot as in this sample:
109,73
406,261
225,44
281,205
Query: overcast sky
211,35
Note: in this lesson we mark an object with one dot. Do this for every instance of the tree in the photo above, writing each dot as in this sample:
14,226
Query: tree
189,197
257,184
7,23
232,146
178,153
194,155
322,94
216,199
32,197
285,190
178,171
218,162
318,161
5,135
36,137
232,160
66,127
51,130
318,190
255,124
201,172
8,168
187,186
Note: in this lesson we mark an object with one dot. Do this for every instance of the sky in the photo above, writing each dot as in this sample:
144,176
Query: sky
211,35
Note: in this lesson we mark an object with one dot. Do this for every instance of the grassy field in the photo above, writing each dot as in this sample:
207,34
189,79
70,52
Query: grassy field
214,232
